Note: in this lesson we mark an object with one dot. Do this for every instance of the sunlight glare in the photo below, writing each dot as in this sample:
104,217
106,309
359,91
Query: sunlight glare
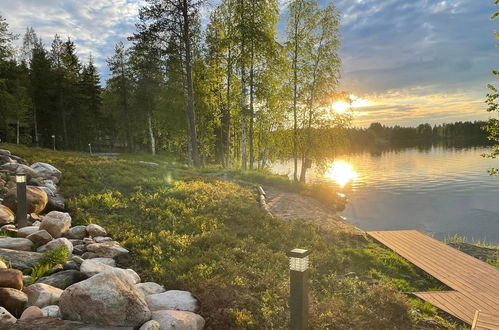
341,173
340,107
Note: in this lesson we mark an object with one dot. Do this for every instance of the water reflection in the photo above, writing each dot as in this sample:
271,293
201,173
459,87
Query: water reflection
341,173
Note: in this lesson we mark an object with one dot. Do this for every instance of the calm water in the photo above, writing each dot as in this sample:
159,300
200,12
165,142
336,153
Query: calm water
438,191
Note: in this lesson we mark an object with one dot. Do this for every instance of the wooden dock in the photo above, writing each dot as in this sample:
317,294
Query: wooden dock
474,283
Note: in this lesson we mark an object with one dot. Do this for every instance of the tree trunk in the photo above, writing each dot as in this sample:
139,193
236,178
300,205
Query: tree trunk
17,131
226,116
125,108
35,122
191,115
295,100
252,112
243,94
151,133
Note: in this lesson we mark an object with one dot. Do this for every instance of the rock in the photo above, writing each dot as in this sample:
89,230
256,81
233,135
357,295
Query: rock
47,171
5,152
6,319
57,268
89,255
17,168
26,280
77,259
108,298
6,215
20,244
40,237
63,241
2,265
50,186
36,199
173,300
150,325
71,265
63,279
51,323
96,230
5,227
107,249
90,267
41,294
37,222
75,241
26,231
101,239
56,203
31,312
149,288
178,320
22,260
13,300
79,249
77,232
56,223
11,278
106,261
51,311
88,240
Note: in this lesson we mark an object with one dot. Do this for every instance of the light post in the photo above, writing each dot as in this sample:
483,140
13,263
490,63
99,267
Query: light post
53,141
22,207
298,265
90,148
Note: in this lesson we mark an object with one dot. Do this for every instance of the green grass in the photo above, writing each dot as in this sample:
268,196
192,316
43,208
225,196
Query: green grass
188,229
49,259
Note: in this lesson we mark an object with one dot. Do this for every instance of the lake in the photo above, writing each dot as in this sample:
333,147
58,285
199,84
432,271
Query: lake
437,190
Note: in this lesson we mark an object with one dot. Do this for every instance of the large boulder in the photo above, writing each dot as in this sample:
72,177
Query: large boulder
41,294
173,300
92,267
149,288
56,223
13,300
18,168
96,230
11,278
56,203
22,260
6,215
47,171
108,298
5,152
54,244
63,279
40,237
77,232
36,199
6,319
106,249
178,320
13,243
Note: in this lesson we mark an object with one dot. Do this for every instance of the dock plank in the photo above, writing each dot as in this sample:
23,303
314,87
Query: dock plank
474,283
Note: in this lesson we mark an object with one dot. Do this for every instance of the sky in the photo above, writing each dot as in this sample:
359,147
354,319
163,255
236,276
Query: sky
414,61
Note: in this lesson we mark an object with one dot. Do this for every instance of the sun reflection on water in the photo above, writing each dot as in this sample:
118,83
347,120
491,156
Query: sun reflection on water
341,173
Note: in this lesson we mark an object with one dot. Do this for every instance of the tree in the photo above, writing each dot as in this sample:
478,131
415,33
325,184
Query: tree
177,20
492,101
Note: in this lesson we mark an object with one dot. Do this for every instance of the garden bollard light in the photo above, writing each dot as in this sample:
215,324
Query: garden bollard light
90,148
53,141
22,207
298,265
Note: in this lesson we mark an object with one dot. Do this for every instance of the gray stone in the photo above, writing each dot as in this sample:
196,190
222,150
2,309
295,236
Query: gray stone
108,298
101,239
71,265
26,231
79,249
51,311
178,320
56,223
12,243
77,259
173,300
107,249
47,171
77,232
6,319
40,237
22,260
149,288
63,241
96,230
151,325
41,294
63,279
52,323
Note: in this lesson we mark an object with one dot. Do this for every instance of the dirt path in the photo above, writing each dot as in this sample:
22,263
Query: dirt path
288,205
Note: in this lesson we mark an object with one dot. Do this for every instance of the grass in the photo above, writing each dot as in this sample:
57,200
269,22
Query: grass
188,229
49,259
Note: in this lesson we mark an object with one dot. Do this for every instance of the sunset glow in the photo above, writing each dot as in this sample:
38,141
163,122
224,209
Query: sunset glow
341,173
342,106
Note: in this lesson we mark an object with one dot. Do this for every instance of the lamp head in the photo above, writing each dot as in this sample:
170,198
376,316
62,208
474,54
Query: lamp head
298,260
20,178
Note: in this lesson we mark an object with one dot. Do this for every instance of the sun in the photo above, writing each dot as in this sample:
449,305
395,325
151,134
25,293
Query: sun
340,107
341,173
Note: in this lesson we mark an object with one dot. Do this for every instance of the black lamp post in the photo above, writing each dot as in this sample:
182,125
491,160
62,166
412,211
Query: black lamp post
53,141
22,207
298,265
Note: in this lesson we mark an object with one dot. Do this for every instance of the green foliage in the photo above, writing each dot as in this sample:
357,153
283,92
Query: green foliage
49,259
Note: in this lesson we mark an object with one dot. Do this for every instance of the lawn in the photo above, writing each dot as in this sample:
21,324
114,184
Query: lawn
189,229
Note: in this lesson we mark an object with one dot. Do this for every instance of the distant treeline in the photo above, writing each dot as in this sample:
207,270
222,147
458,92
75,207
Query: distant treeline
378,134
